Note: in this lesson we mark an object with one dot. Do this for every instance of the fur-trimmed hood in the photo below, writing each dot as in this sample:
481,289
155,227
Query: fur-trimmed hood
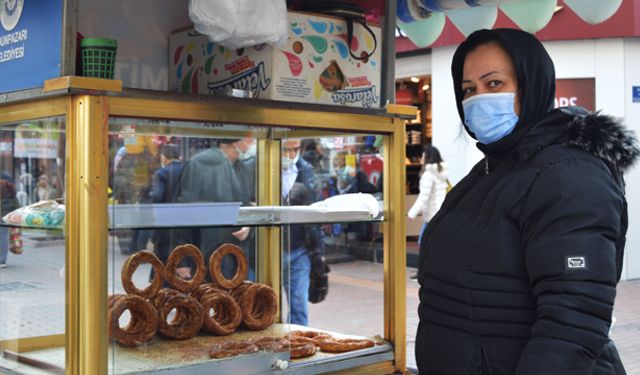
601,135
605,137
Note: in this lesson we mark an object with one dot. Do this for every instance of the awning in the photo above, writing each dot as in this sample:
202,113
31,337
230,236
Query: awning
423,20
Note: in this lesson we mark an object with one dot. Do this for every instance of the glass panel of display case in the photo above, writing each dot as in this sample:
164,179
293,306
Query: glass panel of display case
325,265
32,247
176,249
180,174
191,315
135,154
189,225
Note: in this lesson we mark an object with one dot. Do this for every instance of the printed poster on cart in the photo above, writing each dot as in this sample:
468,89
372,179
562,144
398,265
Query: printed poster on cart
30,43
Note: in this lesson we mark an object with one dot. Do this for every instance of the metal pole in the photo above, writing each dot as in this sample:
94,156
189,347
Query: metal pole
388,79
86,233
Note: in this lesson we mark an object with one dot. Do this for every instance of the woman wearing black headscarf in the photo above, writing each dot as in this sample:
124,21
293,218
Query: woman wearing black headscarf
518,270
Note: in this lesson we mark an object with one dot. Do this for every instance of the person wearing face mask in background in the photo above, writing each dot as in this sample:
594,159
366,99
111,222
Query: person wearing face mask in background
304,269
518,270
215,174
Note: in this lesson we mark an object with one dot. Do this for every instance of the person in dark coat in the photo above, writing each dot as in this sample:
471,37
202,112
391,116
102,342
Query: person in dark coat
245,168
212,176
303,264
518,270
165,181
164,186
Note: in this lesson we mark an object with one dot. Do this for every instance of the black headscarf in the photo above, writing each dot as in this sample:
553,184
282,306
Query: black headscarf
534,71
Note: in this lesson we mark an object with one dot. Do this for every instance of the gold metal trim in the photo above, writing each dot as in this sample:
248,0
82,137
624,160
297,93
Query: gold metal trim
86,228
33,110
394,175
245,114
87,83
268,257
29,344
280,133
403,110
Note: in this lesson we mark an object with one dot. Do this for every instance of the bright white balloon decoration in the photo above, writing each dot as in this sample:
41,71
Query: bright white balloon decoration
424,32
471,19
530,15
594,11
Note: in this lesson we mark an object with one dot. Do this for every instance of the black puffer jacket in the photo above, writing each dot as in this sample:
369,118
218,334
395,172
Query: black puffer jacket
518,270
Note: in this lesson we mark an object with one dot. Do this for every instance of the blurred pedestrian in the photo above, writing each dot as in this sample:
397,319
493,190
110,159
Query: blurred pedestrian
434,178
164,186
303,256
8,203
212,176
433,188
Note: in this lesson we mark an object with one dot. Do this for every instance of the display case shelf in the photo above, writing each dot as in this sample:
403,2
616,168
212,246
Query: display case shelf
193,357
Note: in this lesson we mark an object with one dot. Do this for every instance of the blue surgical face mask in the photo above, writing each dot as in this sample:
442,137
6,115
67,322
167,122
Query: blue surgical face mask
490,116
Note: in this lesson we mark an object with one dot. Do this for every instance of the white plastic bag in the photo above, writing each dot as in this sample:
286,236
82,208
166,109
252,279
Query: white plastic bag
241,23
353,202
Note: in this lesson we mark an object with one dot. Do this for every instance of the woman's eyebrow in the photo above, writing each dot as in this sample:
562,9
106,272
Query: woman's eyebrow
482,76
488,74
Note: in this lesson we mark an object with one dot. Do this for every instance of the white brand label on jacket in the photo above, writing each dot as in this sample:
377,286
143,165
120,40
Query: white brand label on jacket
576,263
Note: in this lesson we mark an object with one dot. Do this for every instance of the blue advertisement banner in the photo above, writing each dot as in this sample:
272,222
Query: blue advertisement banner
30,43
635,93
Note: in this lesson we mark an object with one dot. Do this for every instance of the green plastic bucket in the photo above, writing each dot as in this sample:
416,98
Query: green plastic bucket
98,57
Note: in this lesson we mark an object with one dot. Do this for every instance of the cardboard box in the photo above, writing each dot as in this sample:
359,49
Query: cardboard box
314,67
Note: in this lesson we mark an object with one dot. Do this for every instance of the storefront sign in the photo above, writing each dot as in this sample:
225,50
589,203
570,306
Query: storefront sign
38,148
636,94
30,43
572,92
38,140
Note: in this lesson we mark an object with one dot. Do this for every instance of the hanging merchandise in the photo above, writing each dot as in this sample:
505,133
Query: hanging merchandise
241,23
424,32
417,18
409,11
472,19
530,15
594,11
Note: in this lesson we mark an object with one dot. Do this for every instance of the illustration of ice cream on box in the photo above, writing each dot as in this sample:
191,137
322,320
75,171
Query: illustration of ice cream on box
191,59
323,43
332,79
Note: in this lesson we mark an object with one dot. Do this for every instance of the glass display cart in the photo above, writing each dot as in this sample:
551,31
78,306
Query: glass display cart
87,148
154,232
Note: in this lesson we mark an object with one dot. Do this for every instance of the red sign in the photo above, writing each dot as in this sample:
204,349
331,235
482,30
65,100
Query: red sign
372,166
404,96
571,92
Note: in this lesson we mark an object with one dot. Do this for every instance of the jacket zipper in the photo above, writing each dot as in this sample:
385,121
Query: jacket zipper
486,165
